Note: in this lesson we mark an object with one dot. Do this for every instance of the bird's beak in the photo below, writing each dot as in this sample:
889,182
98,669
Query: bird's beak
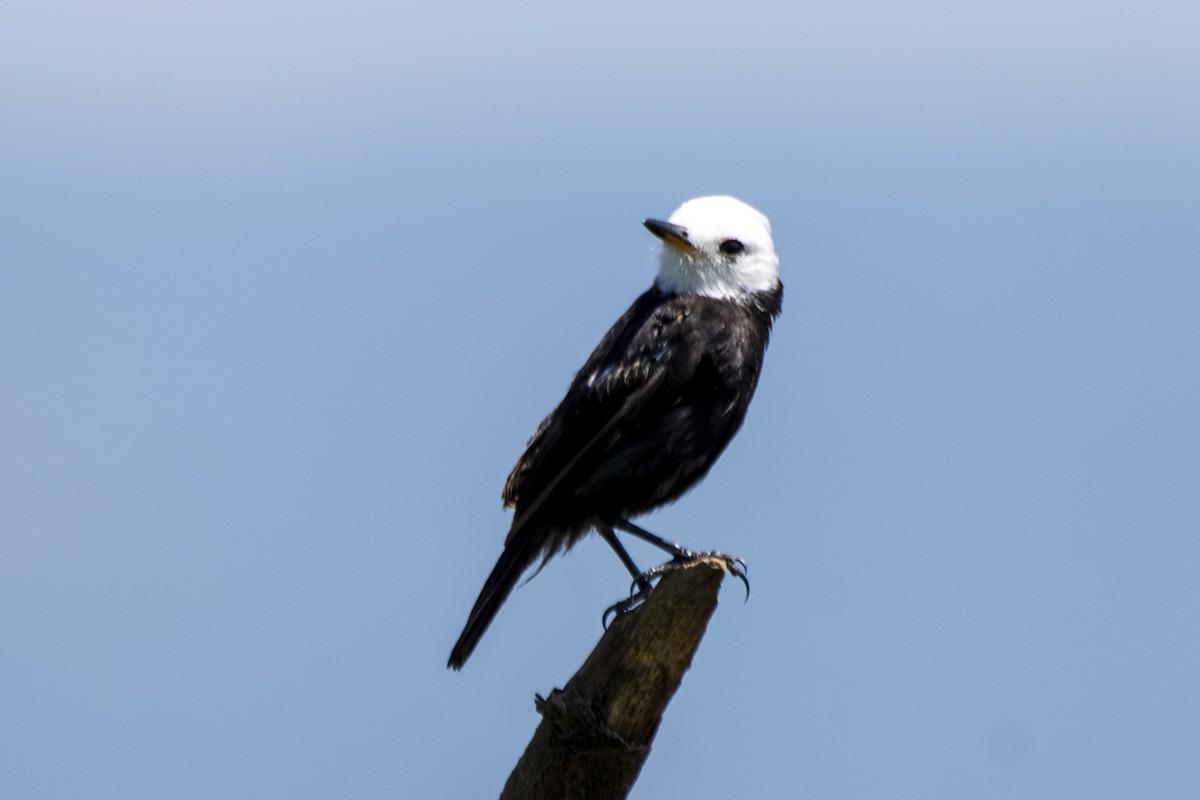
670,233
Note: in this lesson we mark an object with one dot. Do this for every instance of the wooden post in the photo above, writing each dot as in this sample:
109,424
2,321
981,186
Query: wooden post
596,733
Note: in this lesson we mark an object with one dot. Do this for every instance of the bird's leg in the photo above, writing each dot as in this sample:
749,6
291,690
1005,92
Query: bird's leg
679,551
641,583
682,557
606,533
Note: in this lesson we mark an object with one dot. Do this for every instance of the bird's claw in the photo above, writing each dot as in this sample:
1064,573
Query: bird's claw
642,585
734,565
737,568
623,606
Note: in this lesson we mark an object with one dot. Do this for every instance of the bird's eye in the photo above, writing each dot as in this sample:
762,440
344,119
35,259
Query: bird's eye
731,247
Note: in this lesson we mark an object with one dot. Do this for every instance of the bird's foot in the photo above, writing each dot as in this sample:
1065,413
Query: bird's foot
639,590
731,564
643,584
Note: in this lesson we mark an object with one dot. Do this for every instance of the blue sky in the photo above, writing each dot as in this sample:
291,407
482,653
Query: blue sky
285,287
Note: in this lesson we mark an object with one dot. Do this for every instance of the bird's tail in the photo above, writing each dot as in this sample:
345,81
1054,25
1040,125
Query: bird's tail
517,556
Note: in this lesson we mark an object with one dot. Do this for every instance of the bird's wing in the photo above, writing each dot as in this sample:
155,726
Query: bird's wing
600,440
633,364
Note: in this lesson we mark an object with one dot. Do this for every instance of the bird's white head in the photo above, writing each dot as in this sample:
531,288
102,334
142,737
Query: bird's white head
716,247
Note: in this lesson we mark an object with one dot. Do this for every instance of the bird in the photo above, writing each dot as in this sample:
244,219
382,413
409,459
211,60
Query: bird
651,409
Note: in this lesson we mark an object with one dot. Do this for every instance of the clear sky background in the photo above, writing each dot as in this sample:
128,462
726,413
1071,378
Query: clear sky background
284,288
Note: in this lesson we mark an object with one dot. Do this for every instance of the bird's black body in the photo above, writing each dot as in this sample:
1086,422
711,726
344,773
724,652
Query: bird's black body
642,422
